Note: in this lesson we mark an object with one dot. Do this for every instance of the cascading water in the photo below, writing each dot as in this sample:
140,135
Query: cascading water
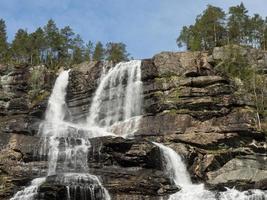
66,146
189,191
29,192
116,106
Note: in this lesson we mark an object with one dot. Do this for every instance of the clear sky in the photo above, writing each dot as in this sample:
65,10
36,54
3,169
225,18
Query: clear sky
145,26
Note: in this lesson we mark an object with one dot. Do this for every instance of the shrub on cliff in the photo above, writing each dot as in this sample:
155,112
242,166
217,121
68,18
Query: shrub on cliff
236,65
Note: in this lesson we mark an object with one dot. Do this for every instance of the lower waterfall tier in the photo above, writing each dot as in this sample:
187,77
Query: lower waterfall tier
72,186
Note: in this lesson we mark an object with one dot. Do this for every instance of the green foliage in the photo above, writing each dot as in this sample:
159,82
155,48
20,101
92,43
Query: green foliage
37,46
212,29
116,52
78,50
237,24
99,52
207,32
55,47
3,41
89,47
20,47
36,80
235,65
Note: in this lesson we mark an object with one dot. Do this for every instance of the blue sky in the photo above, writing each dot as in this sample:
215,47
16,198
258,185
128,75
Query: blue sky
145,26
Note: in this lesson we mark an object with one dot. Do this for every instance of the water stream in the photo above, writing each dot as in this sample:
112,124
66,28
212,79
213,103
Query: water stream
116,106
176,169
115,110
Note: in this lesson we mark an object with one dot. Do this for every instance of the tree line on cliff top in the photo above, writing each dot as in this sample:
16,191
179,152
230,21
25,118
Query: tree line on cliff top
214,28
53,46
234,30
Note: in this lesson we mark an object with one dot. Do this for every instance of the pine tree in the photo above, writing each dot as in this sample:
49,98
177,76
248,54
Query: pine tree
37,46
89,51
99,52
67,36
3,41
116,52
211,26
207,32
256,31
21,47
237,24
78,50
184,37
53,42
264,40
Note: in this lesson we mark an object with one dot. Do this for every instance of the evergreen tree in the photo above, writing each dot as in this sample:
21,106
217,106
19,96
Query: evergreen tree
238,24
21,46
37,46
3,41
66,44
54,47
211,27
89,51
256,31
53,42
207,32
116,52
264,40
99,52
78,50
184,37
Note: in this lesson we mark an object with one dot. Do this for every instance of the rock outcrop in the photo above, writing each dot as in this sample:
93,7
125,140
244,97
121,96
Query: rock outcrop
187,105
200,114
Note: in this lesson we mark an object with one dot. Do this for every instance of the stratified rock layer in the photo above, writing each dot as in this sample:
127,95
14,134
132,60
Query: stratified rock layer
187,105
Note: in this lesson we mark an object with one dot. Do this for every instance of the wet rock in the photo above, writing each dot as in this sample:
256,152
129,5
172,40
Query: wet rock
187,105
83,82
241,172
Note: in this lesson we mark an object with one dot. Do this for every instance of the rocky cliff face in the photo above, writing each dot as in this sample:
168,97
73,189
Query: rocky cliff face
187,105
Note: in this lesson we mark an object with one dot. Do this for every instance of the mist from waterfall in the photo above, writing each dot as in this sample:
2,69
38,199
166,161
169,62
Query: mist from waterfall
176,169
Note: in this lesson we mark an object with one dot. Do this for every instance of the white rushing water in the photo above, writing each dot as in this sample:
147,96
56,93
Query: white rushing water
53,127
77,186
29,192
116,106
115,110
66,145
176,169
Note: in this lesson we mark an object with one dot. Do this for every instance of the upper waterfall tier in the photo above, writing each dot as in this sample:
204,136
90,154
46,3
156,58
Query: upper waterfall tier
118,97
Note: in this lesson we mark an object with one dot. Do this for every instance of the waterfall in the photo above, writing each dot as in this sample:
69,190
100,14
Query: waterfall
189,191
116,106
29,192
115,109
54,127
66,145
178,172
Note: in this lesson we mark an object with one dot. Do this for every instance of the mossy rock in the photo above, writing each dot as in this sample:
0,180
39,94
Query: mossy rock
40,97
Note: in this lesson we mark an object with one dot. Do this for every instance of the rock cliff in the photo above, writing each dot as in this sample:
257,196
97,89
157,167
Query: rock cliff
187,105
